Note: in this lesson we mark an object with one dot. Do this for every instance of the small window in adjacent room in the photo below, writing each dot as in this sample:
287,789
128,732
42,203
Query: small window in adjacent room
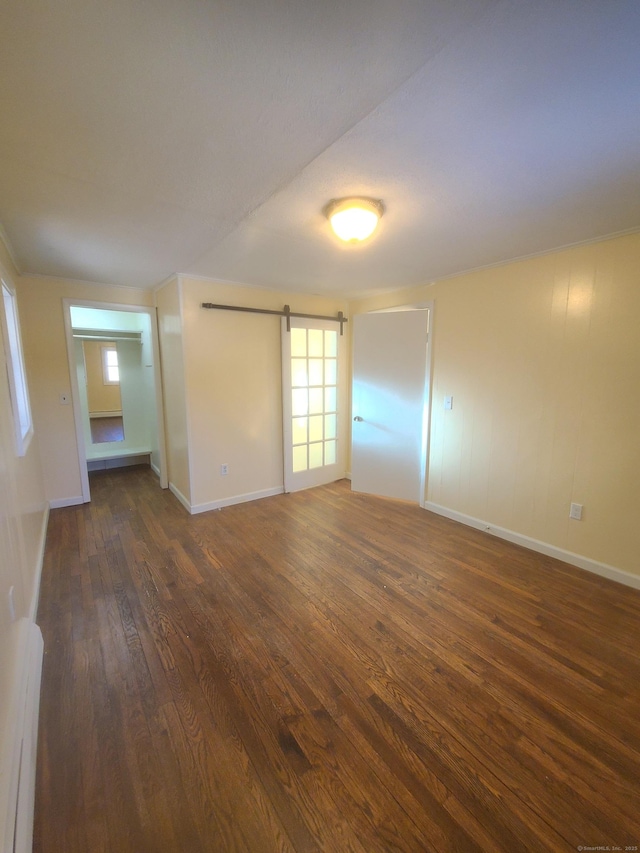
110,369
15,370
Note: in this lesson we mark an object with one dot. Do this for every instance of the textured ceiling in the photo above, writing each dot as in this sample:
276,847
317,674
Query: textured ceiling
139,138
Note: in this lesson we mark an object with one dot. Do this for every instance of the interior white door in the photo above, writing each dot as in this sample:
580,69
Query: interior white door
390,404
313,403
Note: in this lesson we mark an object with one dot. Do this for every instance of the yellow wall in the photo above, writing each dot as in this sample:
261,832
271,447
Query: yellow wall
101,397
23,515
22,485
170,335
41,312
234,387
542,358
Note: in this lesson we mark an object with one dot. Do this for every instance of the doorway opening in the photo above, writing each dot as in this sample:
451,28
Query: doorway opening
116,390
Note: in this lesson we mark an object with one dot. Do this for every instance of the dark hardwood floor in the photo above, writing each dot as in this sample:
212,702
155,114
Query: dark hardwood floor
106,429
326,671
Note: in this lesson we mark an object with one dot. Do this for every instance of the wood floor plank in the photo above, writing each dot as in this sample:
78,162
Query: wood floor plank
326,671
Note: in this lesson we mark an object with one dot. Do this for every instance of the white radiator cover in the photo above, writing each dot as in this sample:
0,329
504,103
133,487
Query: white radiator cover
19,742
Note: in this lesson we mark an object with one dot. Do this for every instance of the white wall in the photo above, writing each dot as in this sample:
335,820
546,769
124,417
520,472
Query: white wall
78,347
136,412
148,399
104,319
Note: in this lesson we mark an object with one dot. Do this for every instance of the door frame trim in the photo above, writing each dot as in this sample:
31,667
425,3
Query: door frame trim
426,415
151,312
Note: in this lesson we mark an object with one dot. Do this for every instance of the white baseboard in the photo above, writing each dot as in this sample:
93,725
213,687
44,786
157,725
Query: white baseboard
578,560
347,475
117,450
60,502
176,491
236,499
115,414
154,467
120,460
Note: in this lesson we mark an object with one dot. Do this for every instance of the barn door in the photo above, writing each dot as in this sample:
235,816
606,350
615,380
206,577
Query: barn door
313,403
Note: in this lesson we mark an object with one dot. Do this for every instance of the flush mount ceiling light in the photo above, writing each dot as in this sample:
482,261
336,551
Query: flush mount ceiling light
354,219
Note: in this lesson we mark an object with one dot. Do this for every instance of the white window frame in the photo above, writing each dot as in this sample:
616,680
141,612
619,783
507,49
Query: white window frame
107,348
16,373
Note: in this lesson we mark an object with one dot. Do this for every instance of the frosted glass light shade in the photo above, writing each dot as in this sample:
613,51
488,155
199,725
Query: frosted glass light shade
354,218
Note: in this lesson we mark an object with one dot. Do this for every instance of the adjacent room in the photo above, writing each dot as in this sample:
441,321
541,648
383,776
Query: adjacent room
319,426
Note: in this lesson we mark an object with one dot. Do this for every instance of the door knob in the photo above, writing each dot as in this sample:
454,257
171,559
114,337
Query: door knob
358,418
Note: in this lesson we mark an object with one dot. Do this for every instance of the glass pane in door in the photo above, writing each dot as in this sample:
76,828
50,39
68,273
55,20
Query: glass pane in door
314,378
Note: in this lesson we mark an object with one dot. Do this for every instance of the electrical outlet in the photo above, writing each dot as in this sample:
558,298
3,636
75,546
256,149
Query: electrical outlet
448,403
224,469
575,512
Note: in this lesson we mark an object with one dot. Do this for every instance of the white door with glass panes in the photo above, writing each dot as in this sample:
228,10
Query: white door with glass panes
313,390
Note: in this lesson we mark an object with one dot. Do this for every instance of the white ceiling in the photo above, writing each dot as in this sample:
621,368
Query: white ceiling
139,138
